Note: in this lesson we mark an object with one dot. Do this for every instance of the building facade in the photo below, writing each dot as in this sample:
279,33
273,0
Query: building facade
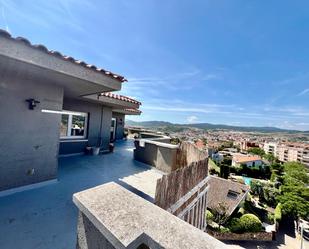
52,105
289,152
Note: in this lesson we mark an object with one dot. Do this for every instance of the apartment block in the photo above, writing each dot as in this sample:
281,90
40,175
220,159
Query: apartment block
289,152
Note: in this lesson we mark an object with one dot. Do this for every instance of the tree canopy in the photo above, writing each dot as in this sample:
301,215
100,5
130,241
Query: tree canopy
294,195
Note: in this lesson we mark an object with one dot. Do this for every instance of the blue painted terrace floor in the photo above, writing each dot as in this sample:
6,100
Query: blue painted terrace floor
46,218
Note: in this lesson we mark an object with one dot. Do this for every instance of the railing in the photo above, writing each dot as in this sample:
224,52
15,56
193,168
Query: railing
192,207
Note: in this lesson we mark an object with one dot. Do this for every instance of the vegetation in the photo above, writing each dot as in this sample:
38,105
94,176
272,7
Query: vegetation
294,197
225,167
220,215
256,172
226,144
246,223
213,167
175,140
256,151
209,217
278,213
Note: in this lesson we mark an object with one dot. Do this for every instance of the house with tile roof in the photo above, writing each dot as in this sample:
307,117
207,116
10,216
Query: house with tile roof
53,105
249,160
225,192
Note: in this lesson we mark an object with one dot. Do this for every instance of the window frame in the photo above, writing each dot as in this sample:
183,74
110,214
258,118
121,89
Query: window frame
70,118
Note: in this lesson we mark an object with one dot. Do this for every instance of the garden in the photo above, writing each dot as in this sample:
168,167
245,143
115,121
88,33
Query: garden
284,194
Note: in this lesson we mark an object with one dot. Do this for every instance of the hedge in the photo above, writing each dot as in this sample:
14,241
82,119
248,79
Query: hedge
278,213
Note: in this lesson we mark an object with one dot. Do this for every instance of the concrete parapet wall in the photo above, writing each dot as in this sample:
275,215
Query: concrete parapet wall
113,217
157,152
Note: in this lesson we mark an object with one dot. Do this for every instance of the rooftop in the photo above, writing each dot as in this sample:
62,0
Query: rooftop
4,33
243,159
226,192
48,218
120,97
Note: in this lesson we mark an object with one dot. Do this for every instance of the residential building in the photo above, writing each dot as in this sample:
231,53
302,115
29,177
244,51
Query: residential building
225,192
270,147
249,160
245,145
289,151
293,152
52,105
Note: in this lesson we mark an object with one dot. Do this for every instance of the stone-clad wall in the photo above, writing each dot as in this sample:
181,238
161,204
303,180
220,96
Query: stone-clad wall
260,236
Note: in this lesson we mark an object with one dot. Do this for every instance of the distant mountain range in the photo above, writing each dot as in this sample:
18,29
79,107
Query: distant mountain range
206,126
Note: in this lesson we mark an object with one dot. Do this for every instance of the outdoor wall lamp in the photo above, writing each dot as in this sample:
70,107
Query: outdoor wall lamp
32,103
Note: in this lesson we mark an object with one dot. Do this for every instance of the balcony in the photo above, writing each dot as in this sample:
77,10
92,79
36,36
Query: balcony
47,218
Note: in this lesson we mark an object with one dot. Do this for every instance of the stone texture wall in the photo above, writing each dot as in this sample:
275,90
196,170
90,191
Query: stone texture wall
260,236
88,236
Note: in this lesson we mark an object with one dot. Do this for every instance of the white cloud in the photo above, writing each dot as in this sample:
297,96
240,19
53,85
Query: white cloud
304,92
192,119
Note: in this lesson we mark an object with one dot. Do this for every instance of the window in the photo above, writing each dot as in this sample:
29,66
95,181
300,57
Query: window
73,125
232,194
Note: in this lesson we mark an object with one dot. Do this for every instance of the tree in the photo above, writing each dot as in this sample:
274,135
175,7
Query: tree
270,195
224,171
256,151
297,171
220,215
294,206
294,196
270,157
278,212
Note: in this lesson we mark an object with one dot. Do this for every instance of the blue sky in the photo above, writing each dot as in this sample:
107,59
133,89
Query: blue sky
230,62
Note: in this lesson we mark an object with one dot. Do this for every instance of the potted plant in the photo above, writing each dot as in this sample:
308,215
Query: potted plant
96,150
125,135
111,147
88,150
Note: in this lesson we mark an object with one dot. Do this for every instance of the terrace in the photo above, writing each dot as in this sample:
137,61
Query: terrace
47,218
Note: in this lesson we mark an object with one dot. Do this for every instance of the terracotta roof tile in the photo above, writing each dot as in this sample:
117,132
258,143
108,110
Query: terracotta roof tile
120,97
243,159
42,48
133,111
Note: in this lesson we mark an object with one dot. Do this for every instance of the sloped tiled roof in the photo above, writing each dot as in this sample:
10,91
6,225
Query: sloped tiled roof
42,48
120,97
219,190
244,159
133,111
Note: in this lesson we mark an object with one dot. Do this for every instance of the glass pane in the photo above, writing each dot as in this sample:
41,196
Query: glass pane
64,125
78,125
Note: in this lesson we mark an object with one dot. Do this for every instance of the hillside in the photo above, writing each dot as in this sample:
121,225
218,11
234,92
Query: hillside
206,126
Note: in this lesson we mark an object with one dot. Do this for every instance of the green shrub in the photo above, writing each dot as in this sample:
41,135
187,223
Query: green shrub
235,226
224,230
246,223
273,176
250,223
209,216
270,218
278,213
